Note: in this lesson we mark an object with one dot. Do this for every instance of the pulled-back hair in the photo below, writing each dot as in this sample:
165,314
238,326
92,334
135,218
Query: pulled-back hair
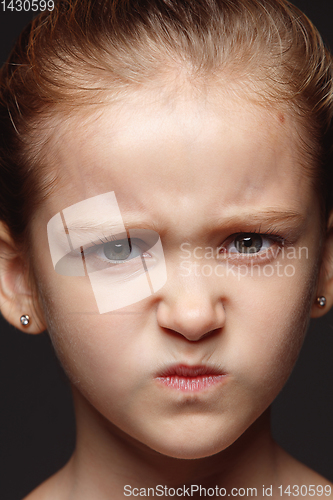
88,52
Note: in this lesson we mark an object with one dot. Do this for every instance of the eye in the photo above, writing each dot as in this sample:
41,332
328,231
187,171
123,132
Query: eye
120,253
248,243
120,250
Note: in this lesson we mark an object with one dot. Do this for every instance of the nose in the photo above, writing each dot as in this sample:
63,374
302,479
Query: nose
194,314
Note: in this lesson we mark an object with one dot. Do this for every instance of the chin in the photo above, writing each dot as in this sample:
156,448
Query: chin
189,437
190,454
188,451
188,447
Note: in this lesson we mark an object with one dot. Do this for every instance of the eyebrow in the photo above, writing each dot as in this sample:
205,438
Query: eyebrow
246,220
288,220
109,225
273,216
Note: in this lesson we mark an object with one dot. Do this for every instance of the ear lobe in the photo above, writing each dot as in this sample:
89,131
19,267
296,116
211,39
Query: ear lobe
325,282
16,296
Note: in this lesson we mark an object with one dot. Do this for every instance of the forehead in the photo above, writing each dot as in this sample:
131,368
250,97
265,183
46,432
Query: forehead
221,153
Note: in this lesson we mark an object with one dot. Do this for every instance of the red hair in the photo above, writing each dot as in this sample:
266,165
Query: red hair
86,50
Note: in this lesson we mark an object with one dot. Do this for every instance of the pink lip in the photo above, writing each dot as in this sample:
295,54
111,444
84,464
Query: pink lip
190,378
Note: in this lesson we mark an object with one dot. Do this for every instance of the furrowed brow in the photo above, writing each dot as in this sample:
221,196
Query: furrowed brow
107,226
287,219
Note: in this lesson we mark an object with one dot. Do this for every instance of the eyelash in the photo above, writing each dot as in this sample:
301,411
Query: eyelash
104,240
272,234
95,247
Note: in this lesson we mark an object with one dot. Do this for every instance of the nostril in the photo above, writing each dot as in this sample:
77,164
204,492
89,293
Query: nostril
211,333
191,338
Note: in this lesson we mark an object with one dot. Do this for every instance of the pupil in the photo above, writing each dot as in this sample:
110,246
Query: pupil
118,247
249,243
120,250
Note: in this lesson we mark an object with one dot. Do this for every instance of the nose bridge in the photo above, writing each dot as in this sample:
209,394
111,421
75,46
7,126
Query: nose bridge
190,304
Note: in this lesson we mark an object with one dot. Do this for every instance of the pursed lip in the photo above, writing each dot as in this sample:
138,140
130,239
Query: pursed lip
188,378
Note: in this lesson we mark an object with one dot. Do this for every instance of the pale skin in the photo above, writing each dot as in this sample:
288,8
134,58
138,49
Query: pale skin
196,170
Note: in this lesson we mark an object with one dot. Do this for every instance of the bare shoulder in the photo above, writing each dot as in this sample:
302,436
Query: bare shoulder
55,487
297,475
40,493
43,492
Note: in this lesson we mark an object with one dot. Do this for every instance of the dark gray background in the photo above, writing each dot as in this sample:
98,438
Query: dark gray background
36,415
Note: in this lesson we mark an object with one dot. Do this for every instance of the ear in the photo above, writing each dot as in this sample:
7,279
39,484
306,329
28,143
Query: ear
325,281
16,296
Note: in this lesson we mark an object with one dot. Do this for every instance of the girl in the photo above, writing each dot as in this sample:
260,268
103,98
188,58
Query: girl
166,215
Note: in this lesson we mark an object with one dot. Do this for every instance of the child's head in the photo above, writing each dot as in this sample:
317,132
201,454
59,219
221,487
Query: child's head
208,123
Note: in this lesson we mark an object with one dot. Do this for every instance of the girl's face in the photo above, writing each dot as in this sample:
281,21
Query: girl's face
189,368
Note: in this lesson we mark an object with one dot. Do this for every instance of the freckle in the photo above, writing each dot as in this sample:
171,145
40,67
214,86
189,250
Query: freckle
281,118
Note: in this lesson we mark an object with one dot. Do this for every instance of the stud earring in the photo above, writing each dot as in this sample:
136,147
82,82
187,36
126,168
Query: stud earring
25,319
321,301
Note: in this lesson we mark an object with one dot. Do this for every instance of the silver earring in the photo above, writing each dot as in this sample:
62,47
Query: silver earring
25,319
321,301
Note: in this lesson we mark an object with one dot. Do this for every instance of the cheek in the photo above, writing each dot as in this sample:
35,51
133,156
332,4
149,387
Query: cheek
95,350
273,315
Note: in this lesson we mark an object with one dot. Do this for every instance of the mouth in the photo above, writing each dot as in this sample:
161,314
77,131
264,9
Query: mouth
190,378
